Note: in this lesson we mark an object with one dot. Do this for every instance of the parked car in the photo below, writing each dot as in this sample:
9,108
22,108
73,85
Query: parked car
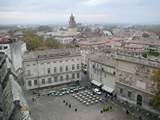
97,91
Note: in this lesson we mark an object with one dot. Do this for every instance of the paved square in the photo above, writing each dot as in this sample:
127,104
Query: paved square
53,108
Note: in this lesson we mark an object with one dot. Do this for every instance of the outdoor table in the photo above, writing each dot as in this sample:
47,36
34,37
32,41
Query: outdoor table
94,96
85,98
91,102
76,96
80,95
97,97
96,101
90,97
87,103
93,99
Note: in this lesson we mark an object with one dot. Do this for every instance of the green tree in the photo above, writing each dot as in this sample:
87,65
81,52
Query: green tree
156,99
32,40
52,43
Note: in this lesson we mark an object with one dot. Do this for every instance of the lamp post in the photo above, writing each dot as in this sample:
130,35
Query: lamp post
38,74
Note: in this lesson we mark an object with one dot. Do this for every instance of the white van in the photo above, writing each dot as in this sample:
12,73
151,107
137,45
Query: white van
97,91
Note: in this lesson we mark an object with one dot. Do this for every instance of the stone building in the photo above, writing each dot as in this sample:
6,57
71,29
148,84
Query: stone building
14,49
101,68
13,105
72,22
133,79
64,37
127,76
51,67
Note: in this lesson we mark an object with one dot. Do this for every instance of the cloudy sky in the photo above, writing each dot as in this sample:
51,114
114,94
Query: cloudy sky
85,11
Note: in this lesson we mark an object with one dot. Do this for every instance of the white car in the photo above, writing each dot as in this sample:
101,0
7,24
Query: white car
97,91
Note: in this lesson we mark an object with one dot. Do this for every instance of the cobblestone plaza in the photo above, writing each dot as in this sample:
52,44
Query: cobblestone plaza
53,108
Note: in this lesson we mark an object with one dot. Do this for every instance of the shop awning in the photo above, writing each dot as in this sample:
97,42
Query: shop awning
107,89
96,83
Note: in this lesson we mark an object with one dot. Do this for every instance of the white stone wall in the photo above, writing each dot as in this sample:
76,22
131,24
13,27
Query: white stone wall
134,79
38,70
105,76
64,40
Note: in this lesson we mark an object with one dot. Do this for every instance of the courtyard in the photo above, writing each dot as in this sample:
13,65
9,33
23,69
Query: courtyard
67,107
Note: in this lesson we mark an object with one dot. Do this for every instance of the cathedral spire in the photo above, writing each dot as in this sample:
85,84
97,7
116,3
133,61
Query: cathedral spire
72,22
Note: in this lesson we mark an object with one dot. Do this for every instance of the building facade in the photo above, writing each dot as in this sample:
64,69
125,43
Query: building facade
51,67
127,76
13,105
102,70
14,49
134,79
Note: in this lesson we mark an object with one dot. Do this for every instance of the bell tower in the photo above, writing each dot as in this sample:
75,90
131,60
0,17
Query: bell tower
72,22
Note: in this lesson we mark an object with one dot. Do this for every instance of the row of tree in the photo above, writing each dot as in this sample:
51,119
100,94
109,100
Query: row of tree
35,42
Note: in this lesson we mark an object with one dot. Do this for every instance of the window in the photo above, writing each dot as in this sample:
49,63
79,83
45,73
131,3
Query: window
67,77
73,76
93,66
61,78
5,47
49,70
28,72
35,82
55,79
55,70
49,80
61,69
77,75
121,91
29,83
129,94
73,67
66,68
43,81
105,75
77,66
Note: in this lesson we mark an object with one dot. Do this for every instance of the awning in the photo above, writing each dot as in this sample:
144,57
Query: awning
107,89
96,83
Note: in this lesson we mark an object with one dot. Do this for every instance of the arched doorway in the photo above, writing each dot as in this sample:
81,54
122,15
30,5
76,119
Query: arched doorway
139,100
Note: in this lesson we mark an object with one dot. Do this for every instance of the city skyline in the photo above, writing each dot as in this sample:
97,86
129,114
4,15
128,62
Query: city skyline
85,11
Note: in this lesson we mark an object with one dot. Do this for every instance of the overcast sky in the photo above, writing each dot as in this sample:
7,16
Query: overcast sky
85,11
